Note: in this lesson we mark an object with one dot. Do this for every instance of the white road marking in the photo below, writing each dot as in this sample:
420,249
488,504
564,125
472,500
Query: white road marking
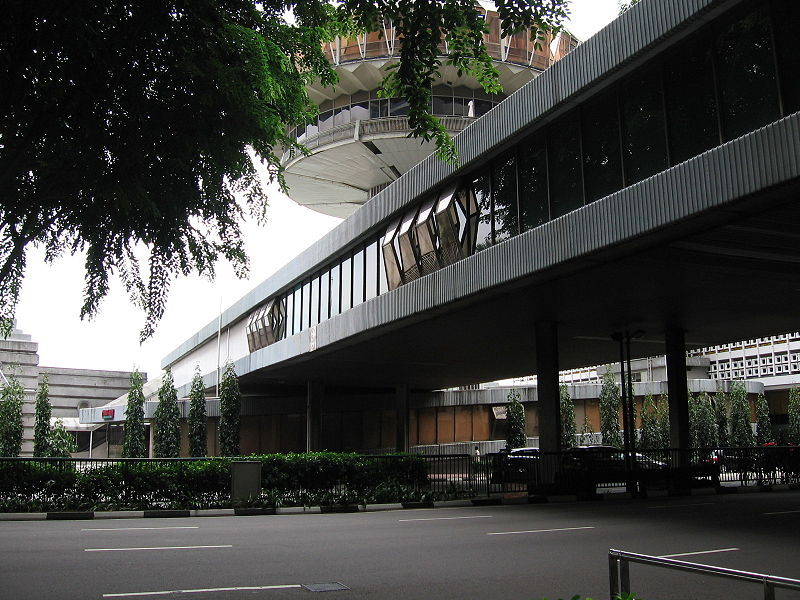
445,518
140,528
206,590
155,548
539,530
699,552
783,512
682,505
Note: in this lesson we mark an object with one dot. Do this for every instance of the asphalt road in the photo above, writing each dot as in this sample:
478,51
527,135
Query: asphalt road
520,552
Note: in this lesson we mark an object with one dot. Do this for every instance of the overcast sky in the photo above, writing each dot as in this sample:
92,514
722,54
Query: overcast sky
52,294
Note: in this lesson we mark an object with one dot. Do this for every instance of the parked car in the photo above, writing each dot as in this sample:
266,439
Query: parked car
608,457
519,465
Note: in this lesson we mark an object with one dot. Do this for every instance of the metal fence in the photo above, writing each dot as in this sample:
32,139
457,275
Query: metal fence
620,584
591,470
26,483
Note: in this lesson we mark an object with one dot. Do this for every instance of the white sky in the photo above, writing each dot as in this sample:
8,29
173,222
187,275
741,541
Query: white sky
52,294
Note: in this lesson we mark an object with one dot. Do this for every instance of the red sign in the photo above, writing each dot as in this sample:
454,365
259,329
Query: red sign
108,414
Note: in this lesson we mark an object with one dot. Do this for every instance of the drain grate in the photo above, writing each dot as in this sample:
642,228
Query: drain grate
334,586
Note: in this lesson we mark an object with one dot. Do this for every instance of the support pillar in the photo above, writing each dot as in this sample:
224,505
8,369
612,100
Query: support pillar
677,389
547,386
313,415
401,401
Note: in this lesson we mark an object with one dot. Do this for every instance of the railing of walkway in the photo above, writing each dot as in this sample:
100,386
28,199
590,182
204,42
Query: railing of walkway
620,581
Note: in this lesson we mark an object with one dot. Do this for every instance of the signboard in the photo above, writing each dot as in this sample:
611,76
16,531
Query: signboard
108,414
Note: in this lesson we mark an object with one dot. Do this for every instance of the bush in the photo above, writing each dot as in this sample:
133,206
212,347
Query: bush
296,479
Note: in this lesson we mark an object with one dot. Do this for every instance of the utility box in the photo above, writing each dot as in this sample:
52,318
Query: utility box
245,479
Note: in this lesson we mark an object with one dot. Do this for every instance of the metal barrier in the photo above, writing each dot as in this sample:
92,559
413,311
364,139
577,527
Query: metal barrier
620,581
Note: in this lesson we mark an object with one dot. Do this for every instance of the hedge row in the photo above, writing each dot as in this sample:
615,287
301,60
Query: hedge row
287,479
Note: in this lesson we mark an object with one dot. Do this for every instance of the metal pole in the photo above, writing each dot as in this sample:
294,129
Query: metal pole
613,575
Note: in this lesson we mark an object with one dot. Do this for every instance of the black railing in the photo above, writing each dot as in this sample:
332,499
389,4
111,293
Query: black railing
46,484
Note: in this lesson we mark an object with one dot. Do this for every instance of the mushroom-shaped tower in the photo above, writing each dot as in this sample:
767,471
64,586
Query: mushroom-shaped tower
359,143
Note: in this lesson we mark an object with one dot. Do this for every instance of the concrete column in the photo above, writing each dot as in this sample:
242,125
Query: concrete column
313,415
547,386
401,401
677,388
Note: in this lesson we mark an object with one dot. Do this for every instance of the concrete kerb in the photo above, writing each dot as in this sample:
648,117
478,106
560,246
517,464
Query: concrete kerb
301,510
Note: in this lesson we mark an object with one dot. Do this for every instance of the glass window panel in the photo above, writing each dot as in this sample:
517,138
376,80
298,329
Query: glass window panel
358,277
306,317
342,116
347,288
482,186
398,107
533,206
383,281
602,164
298,312
690,100
786,23
644,144
442,105
504,178
289,313
324,295
564,156
371,274
746,74
360,111
482,107
314,317
335,291
326,120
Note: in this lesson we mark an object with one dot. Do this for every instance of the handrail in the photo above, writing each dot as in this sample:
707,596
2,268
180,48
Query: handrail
619,573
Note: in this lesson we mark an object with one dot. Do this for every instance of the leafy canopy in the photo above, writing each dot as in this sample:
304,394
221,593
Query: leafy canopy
128,128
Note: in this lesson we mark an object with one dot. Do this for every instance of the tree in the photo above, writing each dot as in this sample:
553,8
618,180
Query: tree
515,422
702,422
197,416
721,415
167,420
135,444
41,427
609,411
230,403
650,438
60,443
763,425
12,396
741,431
128,126
662,418
793,430
567,409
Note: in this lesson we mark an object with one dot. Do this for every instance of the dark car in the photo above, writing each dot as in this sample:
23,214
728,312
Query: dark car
608,458
520,465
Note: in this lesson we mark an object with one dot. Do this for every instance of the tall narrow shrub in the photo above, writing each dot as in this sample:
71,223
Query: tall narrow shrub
706,426
12,396
197,416
515,422
135,444
230,401
60,443
167,436
567,409
721,414
662,418
41,426
763,424
741,431
793,431
650,438
609,411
